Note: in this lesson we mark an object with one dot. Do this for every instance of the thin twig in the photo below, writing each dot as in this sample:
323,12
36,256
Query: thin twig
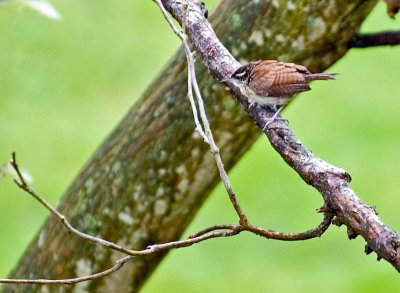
118,264
188,52
195,238
214,149
312,233
198,128
208,233
24,186
216,227
271,234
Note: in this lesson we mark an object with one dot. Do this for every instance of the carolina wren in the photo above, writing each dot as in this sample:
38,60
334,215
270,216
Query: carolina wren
270,82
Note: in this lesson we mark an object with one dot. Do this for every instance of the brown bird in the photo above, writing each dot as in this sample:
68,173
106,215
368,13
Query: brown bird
270,82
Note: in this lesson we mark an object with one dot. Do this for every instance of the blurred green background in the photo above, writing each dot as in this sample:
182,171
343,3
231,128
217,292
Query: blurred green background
64,85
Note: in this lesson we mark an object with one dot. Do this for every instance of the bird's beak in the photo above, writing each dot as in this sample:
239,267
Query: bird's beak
225,79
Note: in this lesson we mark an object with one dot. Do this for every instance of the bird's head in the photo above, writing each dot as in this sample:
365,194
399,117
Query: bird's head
240,76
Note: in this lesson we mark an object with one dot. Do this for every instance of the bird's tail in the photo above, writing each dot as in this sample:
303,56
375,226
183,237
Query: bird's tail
320,76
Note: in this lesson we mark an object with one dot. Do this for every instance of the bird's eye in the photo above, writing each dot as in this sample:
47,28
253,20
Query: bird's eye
240,74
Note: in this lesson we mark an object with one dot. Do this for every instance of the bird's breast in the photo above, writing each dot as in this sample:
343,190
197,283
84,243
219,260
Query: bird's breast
264,100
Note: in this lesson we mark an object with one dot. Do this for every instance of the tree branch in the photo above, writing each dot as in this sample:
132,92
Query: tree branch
378,39
332,182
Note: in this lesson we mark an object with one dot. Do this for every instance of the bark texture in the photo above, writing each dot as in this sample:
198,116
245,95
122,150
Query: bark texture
148,179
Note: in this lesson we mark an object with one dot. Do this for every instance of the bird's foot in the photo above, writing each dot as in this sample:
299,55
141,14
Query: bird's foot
252,104
273,118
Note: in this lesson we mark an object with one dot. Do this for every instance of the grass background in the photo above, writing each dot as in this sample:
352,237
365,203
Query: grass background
64,86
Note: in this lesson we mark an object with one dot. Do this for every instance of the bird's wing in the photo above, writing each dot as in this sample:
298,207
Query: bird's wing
280,79
263,76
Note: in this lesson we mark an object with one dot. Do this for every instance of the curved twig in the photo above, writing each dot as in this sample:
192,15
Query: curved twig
118,265
215,231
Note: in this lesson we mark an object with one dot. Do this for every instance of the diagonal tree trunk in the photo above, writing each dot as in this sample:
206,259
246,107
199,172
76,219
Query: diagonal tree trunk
146,182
